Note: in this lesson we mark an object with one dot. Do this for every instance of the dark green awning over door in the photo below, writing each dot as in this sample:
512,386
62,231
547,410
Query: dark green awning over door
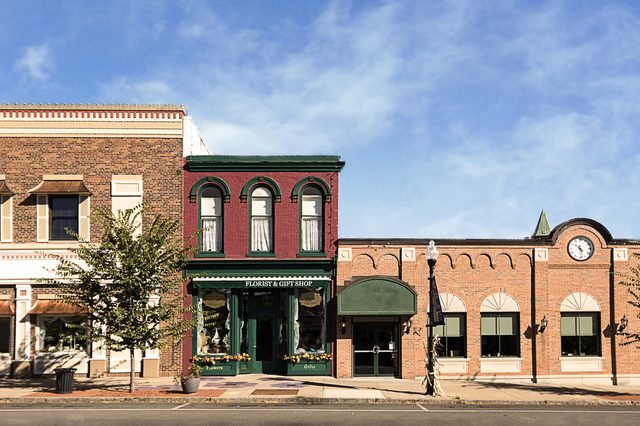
378,296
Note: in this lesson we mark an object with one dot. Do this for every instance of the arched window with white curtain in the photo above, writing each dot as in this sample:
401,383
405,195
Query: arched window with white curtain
500,326
311,220
261,220
211,220
580,325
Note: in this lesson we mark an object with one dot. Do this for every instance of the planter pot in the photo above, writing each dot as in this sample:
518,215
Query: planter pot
191,385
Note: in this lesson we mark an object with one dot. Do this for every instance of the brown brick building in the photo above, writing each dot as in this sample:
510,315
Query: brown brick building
58,163
495,295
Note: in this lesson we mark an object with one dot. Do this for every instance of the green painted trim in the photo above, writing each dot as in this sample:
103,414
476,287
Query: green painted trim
201,253
311,180
226,192
242,284
264,163
311,254
378,295
206,254
261,180
309,368
260,254
255,267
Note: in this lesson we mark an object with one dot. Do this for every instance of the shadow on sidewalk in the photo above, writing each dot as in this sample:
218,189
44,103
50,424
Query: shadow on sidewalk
552,389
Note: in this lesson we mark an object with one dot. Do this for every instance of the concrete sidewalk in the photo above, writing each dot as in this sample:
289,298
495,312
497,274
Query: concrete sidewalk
257,388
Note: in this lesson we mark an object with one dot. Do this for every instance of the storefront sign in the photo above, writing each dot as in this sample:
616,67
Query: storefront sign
277,283
258,283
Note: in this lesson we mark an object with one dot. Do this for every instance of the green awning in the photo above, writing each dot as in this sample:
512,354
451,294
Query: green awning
378,296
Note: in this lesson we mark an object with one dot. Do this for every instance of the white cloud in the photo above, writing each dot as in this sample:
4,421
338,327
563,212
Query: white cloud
36,61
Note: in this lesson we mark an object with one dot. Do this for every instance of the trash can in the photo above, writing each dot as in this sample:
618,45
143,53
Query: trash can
64,380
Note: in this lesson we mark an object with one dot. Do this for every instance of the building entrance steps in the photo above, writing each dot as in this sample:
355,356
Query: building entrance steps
314,389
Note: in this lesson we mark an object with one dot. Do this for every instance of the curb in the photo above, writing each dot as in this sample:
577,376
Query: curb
306,401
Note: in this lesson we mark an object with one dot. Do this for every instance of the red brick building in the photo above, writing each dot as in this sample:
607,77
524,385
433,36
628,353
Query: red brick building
58,164
262,277
545,308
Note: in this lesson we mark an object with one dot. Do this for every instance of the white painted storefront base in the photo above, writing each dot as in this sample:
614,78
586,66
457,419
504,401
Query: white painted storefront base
454,365
500,365
581,364
47,362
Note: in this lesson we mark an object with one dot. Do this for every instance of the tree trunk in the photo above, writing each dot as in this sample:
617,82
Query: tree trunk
132,371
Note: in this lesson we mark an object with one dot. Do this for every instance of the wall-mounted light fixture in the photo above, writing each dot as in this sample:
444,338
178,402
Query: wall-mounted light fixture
544,322
624,322
407,326
343,324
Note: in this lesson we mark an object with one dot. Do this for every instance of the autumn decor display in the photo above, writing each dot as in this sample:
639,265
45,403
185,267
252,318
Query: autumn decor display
295,359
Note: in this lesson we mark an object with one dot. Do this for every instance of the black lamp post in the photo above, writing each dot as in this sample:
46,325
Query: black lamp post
432,256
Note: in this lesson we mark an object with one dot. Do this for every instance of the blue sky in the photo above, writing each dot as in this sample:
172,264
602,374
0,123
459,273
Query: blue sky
456,119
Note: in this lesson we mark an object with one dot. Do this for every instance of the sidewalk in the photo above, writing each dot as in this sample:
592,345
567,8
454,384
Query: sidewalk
257,388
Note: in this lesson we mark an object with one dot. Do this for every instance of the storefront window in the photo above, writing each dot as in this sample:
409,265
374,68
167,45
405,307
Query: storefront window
499,334
214,322
310,327
579,334
63,333
5,329
452,336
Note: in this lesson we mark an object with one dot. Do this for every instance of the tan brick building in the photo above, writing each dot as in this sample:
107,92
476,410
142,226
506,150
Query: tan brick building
495,295
58,163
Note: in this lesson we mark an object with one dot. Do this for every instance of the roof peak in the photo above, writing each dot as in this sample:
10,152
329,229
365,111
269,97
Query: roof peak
542,228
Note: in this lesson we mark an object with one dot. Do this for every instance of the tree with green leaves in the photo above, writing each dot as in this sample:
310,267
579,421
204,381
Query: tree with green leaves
130,283
631,280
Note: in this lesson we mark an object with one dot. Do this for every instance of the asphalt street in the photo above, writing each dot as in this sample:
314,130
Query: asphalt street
370,414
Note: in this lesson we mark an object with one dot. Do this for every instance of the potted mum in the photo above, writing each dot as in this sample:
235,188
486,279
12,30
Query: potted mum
190,382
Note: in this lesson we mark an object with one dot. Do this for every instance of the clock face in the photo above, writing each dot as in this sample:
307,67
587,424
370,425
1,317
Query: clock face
580,248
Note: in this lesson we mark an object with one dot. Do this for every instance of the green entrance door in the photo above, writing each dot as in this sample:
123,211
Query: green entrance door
375,349
264,332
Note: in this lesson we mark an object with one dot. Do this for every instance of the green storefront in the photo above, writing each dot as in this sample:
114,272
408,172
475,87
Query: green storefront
262,316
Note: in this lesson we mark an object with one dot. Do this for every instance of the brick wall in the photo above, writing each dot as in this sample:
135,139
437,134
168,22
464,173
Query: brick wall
286,213
475,271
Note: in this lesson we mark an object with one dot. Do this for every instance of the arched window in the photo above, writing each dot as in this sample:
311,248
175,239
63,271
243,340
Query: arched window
311,220
499,326
580,325
261,220
454,331
211,219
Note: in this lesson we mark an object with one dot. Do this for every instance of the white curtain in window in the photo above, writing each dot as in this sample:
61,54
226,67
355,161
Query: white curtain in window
311,233
261,234
211,234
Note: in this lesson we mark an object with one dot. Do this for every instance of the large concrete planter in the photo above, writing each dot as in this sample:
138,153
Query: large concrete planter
190,385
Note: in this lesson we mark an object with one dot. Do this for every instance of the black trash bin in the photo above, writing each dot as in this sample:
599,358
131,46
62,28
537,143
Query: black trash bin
64,380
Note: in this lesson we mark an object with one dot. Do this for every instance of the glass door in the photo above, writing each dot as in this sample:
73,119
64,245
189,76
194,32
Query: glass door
375,349
264,332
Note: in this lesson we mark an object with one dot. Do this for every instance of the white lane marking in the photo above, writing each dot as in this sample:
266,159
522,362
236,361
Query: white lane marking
180,406
422,407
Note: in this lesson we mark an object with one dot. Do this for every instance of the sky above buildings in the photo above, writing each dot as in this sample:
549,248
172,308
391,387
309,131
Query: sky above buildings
456,119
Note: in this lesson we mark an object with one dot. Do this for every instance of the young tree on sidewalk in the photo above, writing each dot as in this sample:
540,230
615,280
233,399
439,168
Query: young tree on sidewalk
632,281
130,283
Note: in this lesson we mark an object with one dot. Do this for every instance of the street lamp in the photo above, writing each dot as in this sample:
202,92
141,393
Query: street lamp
432,256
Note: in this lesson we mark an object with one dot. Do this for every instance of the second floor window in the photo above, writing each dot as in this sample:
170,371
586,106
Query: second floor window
261,220
63,211
211,222
311,220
